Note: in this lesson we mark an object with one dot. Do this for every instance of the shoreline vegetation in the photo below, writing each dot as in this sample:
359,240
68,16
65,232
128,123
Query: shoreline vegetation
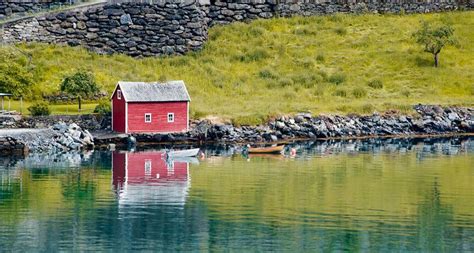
250,73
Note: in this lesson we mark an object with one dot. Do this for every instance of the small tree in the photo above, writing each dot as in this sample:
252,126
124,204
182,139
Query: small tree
434,38
80,84
15,75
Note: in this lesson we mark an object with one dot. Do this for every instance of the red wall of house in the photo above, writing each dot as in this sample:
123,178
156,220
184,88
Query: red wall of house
118,113
159,113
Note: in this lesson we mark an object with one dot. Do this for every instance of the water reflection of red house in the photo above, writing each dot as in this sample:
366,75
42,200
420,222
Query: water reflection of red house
146,174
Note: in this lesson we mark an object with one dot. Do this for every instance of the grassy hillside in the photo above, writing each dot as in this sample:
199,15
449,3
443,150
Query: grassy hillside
247,72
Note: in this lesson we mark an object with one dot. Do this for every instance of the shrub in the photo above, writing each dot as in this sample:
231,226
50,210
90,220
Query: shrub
103,108
285,81
340,93
268,73
306,62
375,84
256,30
340,31
323,74
256,54
307,80
15,77
320,58
39,109
359,92
337,78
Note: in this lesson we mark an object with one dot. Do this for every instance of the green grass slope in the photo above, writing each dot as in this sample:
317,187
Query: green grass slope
329,64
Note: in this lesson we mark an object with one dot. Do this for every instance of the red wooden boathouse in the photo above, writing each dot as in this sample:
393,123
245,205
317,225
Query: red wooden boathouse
139,107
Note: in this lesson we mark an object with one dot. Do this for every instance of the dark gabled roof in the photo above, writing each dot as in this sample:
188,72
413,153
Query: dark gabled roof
154,92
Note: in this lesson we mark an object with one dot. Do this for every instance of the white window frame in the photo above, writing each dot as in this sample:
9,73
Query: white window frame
148,114
172,117
119,94
147,167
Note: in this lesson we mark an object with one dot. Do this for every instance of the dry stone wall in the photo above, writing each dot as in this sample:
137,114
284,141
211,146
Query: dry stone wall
20,7
164,27
136,29
223,12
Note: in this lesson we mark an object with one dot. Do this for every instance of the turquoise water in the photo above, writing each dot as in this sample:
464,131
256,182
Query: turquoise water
374,195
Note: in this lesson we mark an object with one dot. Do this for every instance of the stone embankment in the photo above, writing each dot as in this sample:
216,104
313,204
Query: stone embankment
12,147
59,138
429,120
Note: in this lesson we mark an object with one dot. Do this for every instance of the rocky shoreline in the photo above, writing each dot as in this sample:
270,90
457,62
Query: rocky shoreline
429,120
60,137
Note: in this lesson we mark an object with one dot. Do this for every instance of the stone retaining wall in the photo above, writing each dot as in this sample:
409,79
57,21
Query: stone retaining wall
134,29
91,122
10,8
223,12
164,27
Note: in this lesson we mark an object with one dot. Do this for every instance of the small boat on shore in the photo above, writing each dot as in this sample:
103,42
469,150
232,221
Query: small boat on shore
266,150
183,153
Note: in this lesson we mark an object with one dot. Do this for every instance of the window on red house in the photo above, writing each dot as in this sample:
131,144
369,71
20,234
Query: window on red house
170,117
147,117
119,94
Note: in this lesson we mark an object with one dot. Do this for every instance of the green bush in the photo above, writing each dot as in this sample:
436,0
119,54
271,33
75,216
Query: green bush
268,73
103,108
16,76
375,84
359,92
340,93
39,109
337,78
285,81
340,31
256,54
320,57
306,79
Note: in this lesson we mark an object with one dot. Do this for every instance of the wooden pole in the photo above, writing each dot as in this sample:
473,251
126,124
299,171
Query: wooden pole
9,107
21,105
2,104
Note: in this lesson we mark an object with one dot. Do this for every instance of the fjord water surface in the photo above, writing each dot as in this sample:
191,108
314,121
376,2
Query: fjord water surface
365,195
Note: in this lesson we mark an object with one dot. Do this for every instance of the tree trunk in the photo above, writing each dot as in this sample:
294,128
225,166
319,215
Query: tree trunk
79,101
436,59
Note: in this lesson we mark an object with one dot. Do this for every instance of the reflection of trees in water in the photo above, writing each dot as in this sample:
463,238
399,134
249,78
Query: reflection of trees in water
434,219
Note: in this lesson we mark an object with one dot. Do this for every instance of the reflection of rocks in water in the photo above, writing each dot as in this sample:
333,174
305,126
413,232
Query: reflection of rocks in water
57,160
426,146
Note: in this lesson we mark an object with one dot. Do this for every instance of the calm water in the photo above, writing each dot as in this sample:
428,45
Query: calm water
395,195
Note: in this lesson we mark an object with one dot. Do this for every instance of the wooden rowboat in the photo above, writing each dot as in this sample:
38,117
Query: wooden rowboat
266,150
